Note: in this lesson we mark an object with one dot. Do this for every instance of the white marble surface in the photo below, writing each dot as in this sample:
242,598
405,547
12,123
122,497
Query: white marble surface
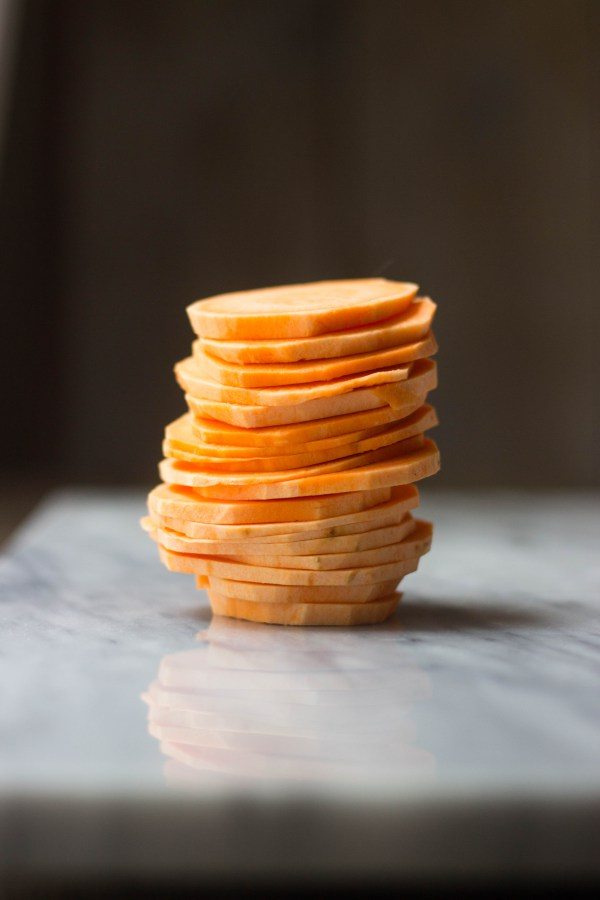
461,738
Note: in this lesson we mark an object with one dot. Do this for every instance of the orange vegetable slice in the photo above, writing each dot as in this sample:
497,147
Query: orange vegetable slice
299,310
191,379
175,433
408,553
186,504
252,592
404,469
371,514
326,432
181,444
351,543
317,614
423,373
257,376
323,562
411,546
409,326
192,475
189,564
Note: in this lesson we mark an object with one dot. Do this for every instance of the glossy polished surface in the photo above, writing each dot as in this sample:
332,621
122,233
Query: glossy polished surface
480,698
304,706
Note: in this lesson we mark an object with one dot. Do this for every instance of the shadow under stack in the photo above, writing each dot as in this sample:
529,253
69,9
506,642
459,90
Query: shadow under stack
288,486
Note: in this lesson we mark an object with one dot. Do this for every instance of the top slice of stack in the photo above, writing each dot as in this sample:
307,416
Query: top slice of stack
300,310
308,391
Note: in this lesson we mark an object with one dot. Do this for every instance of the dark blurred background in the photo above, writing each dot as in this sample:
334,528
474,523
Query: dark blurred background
156,152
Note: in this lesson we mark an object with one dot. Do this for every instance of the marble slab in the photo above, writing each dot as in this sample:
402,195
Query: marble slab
460,739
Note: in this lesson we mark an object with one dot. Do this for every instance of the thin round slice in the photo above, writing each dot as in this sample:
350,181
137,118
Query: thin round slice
183,503
334,430
381,508
257,376
397,394
409,326
251,592
194,476
188,564
310,533
321,562
186,447
185,434
192,380
412,546
405,469
344,544
299,310
332,614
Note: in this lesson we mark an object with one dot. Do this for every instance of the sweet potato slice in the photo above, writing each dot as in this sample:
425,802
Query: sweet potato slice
399,394
419,540
186,504
192,380
409,326
198,531
192,475
343,544
332,614
330,431
202,565
404,469
185,434
257,376
412,546
389,510
253,592
321,562
299,310
182,447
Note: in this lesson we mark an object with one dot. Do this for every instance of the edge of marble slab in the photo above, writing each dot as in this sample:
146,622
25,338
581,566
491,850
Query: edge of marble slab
422,842
424,837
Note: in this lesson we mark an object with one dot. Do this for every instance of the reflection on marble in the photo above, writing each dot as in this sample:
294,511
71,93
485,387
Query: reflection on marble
257,701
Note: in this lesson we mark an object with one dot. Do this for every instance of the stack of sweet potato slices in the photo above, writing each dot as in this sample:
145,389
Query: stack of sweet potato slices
288,486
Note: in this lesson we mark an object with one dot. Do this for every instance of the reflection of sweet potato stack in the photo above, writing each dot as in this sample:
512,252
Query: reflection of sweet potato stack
250,703
288,484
